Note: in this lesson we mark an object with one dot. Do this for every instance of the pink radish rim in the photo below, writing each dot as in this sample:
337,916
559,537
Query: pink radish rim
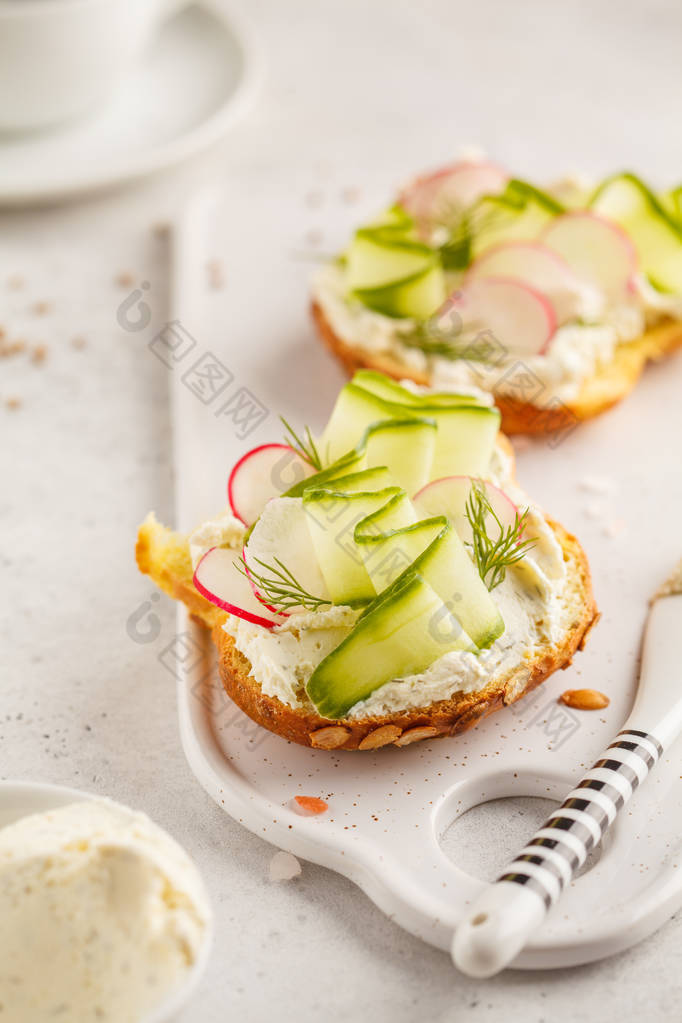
453,168
225,605
547,306
283,614
446,171
556,257
486,483
237,465
612,225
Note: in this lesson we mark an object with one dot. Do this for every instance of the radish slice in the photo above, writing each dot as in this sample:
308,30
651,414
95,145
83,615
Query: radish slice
434,198
283,532
540,267
217,579
261,474
596,248
449,495
521,319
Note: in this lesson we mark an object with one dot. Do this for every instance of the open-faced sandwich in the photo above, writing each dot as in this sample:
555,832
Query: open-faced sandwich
385,583
550,300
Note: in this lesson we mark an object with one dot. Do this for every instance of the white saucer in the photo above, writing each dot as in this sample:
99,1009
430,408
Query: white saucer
199,74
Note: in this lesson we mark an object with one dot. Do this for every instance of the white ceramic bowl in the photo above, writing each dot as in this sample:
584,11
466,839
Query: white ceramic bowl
61,58
21,798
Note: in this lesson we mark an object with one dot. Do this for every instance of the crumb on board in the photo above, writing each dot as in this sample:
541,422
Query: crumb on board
614,528
601,485
124,279
39,354
160,230
594,510
313,236
216,274
314,198
16,282
41,308
350,194
13,403
310,806
9,348
78,342
284,867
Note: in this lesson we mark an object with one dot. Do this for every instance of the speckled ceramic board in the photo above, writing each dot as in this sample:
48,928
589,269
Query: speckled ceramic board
241,269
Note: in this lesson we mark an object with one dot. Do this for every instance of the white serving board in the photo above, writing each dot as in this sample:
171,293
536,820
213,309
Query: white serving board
388,809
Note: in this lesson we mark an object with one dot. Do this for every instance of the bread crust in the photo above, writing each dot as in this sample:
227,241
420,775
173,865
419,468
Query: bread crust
597,394
165,557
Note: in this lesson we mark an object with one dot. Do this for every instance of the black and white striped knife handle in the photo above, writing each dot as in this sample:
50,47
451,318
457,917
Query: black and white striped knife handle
503,918
567,837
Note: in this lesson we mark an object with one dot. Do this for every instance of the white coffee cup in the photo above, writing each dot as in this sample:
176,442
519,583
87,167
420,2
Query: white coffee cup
61,58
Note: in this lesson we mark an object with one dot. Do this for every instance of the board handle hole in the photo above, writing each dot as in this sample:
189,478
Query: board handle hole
483,839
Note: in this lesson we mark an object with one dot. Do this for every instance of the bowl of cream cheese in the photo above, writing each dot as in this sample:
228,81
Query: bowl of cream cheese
106,915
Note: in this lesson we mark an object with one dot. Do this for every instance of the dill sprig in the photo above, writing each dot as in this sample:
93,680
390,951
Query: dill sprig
494,555
432,339
280,588
304,446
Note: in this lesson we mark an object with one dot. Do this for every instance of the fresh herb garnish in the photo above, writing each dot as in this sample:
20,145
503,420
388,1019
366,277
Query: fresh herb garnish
447,343
304,446
279,586
494,555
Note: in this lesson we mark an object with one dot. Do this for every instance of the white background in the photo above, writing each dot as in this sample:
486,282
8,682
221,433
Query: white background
384,88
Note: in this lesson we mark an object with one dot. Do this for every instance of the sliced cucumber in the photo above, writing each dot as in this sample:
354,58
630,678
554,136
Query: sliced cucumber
367,480
447,567
433,548
657,236
461,443
377,259
406,446
392,274
676,203
332,517
393,223
465,439
405,633
354,411
520,212
391,390
416,297
392,549
526,194
349,462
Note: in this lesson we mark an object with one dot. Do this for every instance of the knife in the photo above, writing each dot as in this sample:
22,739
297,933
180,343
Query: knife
507,913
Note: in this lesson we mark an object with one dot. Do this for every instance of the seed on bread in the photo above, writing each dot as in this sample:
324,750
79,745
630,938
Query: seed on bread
417,734
584,699
380,737
330,737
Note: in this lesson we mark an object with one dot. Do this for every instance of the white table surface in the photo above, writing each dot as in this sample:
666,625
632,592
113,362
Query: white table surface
384,84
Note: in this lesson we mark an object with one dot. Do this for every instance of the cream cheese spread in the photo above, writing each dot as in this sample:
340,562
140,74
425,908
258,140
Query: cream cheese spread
532,600
576,352
103,915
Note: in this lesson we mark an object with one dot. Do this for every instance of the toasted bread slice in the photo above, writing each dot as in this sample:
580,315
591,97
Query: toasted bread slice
165,557
606,388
